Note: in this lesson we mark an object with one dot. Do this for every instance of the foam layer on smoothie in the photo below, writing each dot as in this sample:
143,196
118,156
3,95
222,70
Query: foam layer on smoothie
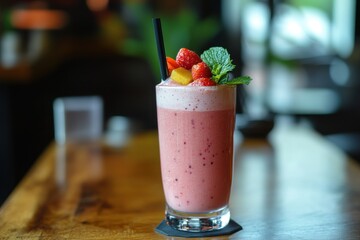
194,98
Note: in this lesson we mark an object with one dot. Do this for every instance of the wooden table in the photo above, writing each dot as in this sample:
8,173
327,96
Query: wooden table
295,186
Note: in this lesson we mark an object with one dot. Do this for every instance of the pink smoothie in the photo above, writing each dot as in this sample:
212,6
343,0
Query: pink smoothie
196,127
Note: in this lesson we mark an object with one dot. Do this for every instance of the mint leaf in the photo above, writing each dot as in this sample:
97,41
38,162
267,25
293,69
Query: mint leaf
219,61
239,80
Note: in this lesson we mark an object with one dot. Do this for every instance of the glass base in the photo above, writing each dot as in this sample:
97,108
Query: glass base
197,222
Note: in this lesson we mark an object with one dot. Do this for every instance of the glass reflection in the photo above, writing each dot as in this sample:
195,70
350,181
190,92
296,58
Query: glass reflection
85,166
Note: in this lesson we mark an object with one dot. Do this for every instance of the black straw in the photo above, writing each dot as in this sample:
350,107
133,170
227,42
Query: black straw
160,48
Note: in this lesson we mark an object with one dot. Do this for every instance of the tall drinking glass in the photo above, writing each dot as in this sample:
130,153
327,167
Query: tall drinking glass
196,126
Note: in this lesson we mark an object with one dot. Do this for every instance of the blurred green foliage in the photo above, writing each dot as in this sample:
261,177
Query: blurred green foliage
325,5
183,29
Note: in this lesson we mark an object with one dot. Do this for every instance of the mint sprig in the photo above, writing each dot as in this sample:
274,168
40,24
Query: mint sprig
219,61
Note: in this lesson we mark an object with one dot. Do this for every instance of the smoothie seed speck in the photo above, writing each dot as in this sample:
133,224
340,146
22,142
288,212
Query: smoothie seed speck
212,163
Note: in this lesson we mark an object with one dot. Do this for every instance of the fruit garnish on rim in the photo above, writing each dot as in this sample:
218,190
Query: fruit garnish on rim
171,64
211,68
181,75
187,58
200,70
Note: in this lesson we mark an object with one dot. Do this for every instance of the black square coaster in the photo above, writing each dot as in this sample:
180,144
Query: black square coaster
165,229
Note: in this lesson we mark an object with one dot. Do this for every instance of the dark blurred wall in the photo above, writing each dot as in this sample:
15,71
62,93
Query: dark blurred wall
126,85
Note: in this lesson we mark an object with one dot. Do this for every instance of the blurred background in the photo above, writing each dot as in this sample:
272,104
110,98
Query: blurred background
303,56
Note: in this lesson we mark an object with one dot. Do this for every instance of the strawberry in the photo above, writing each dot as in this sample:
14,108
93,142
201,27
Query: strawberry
171,64
200,70
203,82
187,58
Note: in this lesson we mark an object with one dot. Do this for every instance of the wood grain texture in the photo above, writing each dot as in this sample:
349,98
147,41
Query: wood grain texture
294,186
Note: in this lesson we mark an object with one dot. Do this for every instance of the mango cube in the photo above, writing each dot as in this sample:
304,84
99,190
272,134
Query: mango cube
181,75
